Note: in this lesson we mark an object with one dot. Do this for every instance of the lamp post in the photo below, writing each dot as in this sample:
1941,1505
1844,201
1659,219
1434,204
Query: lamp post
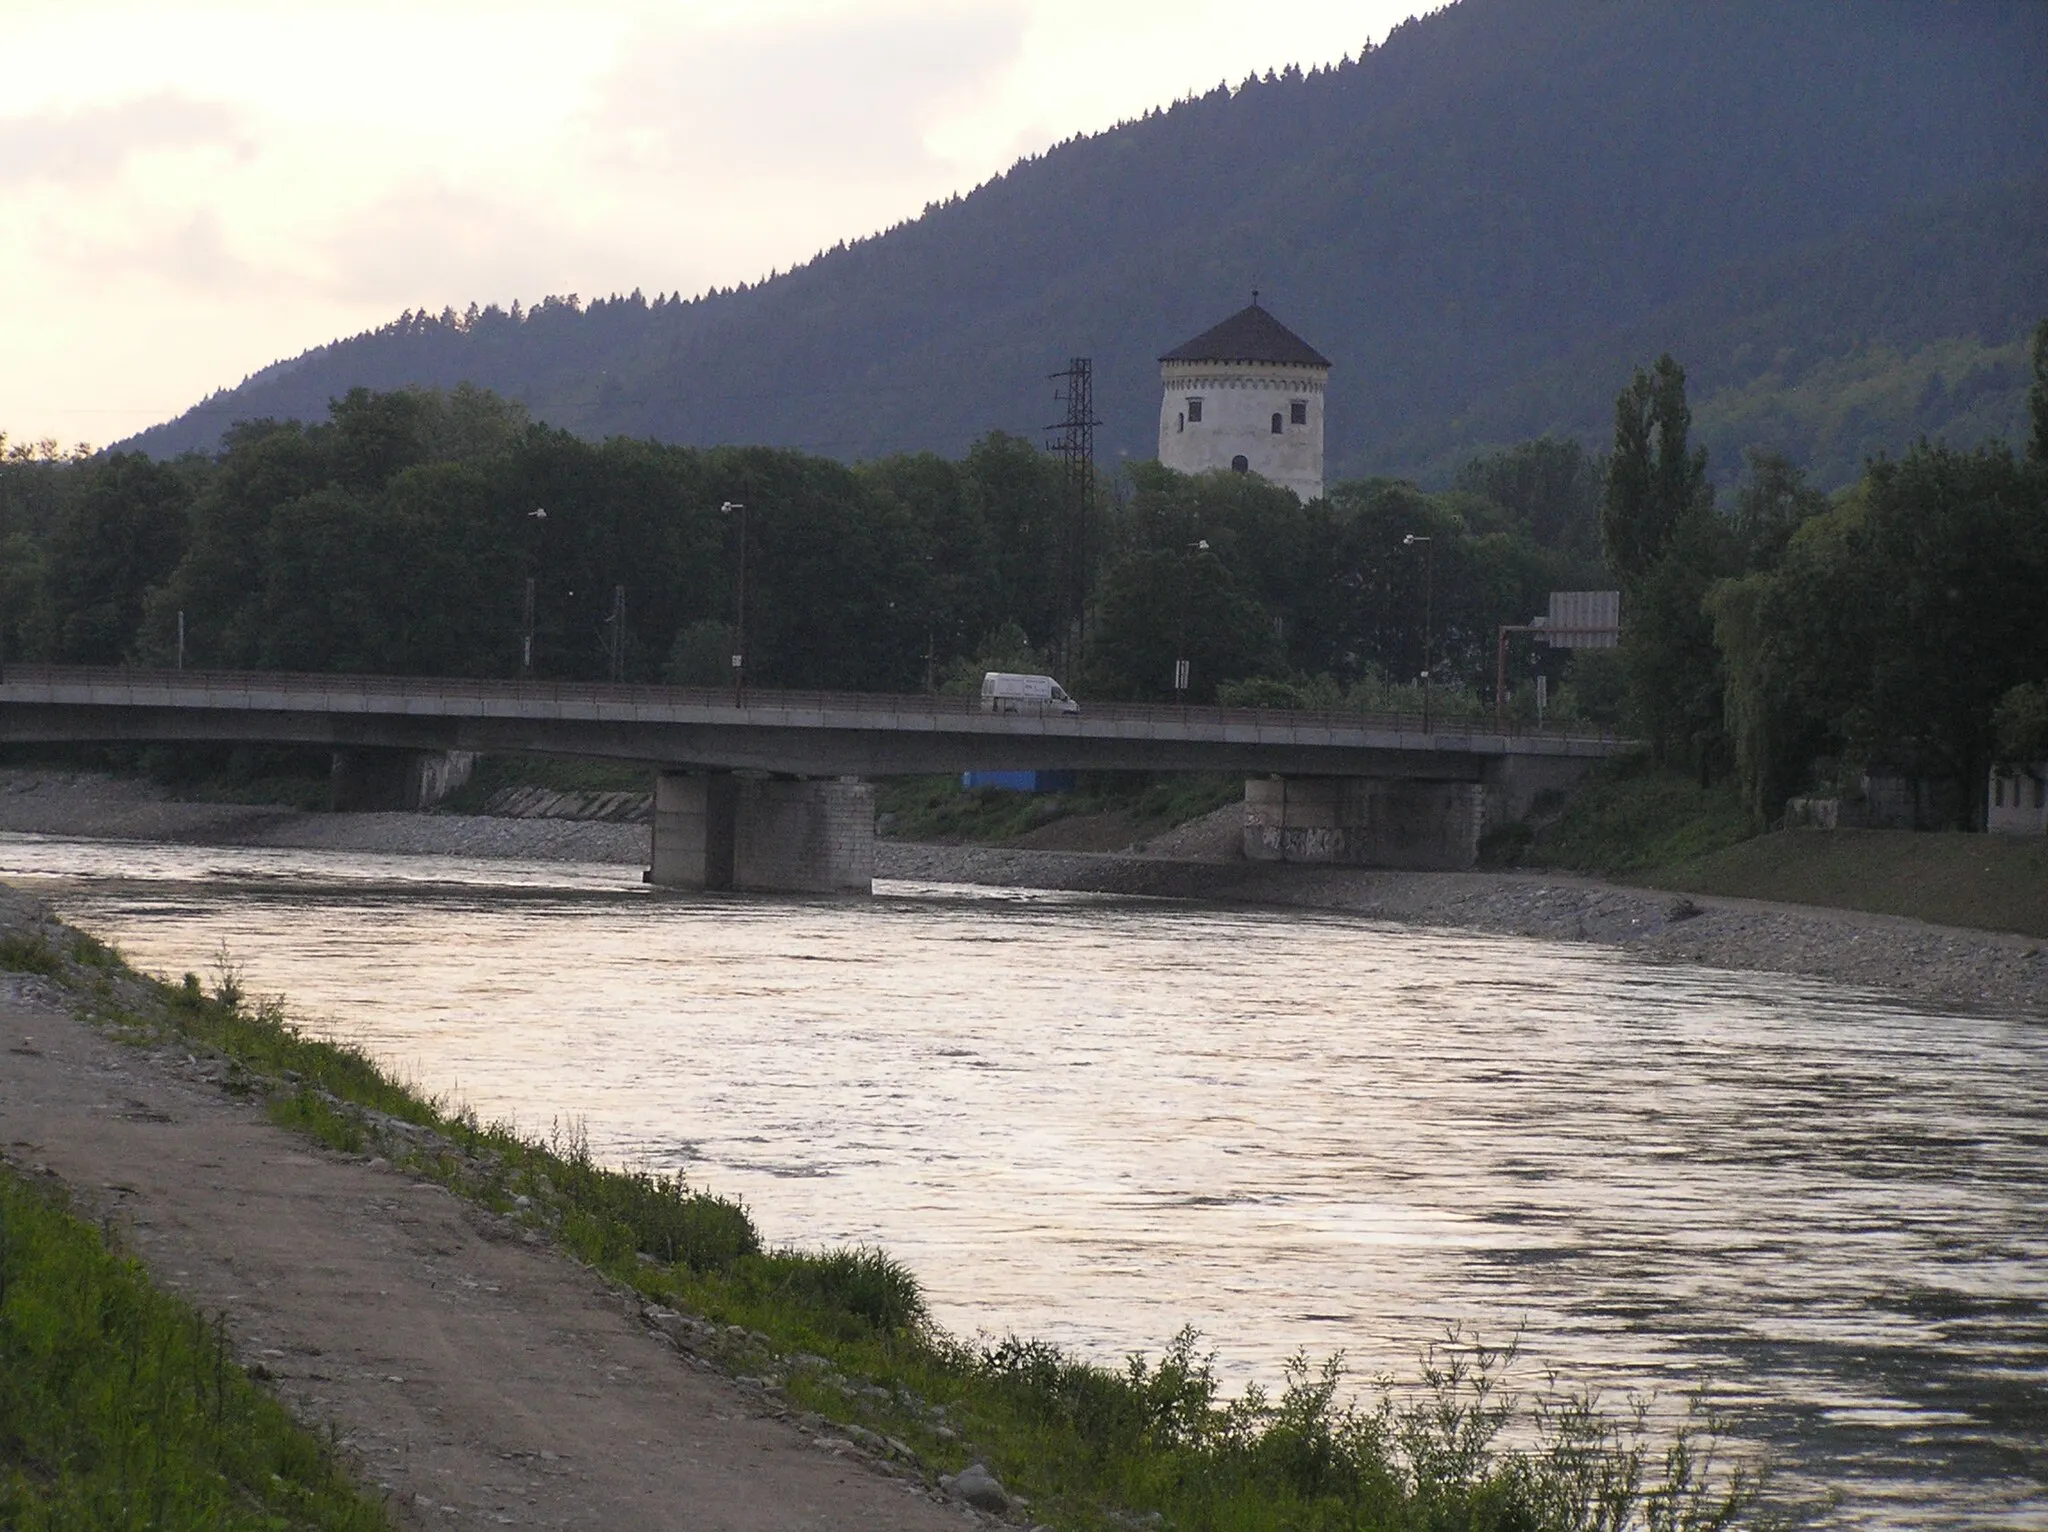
1196,548
617,623
1428,602
739,621
539,518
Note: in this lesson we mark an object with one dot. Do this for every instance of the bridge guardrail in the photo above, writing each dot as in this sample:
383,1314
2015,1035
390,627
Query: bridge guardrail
629,694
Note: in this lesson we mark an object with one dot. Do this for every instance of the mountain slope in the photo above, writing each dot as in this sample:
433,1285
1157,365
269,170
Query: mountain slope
1482,222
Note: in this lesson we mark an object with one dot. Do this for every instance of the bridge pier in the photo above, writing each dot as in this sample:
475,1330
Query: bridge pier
713,830
1359,822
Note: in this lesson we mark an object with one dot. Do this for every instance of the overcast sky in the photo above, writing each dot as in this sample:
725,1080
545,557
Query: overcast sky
192,189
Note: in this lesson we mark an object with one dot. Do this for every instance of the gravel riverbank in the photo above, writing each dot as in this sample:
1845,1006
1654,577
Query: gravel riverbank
1933,965
112,808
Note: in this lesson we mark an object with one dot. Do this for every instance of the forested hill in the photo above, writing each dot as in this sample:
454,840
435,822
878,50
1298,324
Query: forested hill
1836,215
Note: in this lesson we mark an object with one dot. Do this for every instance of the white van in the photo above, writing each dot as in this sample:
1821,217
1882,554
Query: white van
1002,692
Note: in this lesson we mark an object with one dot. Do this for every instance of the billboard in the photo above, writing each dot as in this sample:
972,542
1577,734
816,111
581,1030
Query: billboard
1583,619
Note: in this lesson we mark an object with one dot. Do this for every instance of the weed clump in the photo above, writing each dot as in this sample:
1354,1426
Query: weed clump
29,952
618,1213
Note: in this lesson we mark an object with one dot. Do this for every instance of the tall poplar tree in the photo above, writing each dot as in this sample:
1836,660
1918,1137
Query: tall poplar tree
1654,479
1664,542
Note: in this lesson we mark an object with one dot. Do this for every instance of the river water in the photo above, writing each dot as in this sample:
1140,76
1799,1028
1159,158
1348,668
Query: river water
1095,1120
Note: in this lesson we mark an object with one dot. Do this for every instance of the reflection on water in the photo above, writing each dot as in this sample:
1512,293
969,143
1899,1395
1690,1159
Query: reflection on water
1095,1120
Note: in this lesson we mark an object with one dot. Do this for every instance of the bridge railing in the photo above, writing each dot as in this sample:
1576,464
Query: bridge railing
231,688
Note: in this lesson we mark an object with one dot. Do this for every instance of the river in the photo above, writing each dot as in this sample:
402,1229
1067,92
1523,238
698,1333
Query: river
1095,1120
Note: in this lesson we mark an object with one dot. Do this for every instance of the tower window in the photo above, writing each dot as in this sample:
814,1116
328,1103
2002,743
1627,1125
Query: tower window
1194,412
1299,411
1240,464
1276,422
1182,423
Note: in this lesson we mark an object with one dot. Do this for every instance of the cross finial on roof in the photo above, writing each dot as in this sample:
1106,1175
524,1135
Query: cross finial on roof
1255,297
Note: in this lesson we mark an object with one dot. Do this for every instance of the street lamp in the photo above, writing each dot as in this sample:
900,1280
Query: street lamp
739,621
1187,581
538,516
1428,601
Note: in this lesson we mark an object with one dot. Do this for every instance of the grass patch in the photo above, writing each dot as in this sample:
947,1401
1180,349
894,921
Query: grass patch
1628,819
845,1336
120,1406
1987,882
1639,824
939,809
29,952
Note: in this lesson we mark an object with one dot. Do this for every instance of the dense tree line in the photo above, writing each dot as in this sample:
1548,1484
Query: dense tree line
1799,639
1786,637
399,536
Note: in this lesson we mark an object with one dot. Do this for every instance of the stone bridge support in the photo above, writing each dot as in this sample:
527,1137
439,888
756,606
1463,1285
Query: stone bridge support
1359,822
713,830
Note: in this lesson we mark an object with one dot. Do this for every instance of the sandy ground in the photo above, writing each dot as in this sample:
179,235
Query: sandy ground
476,1376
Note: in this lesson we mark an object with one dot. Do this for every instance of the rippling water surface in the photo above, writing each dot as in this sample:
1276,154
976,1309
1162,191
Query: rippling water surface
1095,1120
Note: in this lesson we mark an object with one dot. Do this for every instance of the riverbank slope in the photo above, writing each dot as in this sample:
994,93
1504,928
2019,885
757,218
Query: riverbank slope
471,1373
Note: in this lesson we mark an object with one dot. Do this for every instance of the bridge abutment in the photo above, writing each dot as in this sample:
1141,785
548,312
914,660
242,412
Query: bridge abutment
1359,822
1413,824
713,830
364,780
1515,782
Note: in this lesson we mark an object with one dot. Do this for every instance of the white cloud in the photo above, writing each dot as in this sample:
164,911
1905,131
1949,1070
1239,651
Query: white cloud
95,143
809,100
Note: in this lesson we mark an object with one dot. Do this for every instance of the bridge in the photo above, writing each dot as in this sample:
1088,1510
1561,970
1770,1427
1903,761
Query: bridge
768,792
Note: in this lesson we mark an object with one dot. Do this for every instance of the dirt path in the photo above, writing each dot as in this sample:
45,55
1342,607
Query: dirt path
479,1379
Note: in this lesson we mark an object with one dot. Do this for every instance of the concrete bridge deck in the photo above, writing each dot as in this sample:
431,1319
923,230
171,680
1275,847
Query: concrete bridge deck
1321,787
792,733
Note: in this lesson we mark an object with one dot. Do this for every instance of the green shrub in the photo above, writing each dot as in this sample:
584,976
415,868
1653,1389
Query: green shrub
22,952
863,1283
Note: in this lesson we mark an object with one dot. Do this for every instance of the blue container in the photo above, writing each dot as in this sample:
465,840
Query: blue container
1019,781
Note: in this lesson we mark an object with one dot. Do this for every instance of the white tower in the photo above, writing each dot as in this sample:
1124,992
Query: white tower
1247,395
